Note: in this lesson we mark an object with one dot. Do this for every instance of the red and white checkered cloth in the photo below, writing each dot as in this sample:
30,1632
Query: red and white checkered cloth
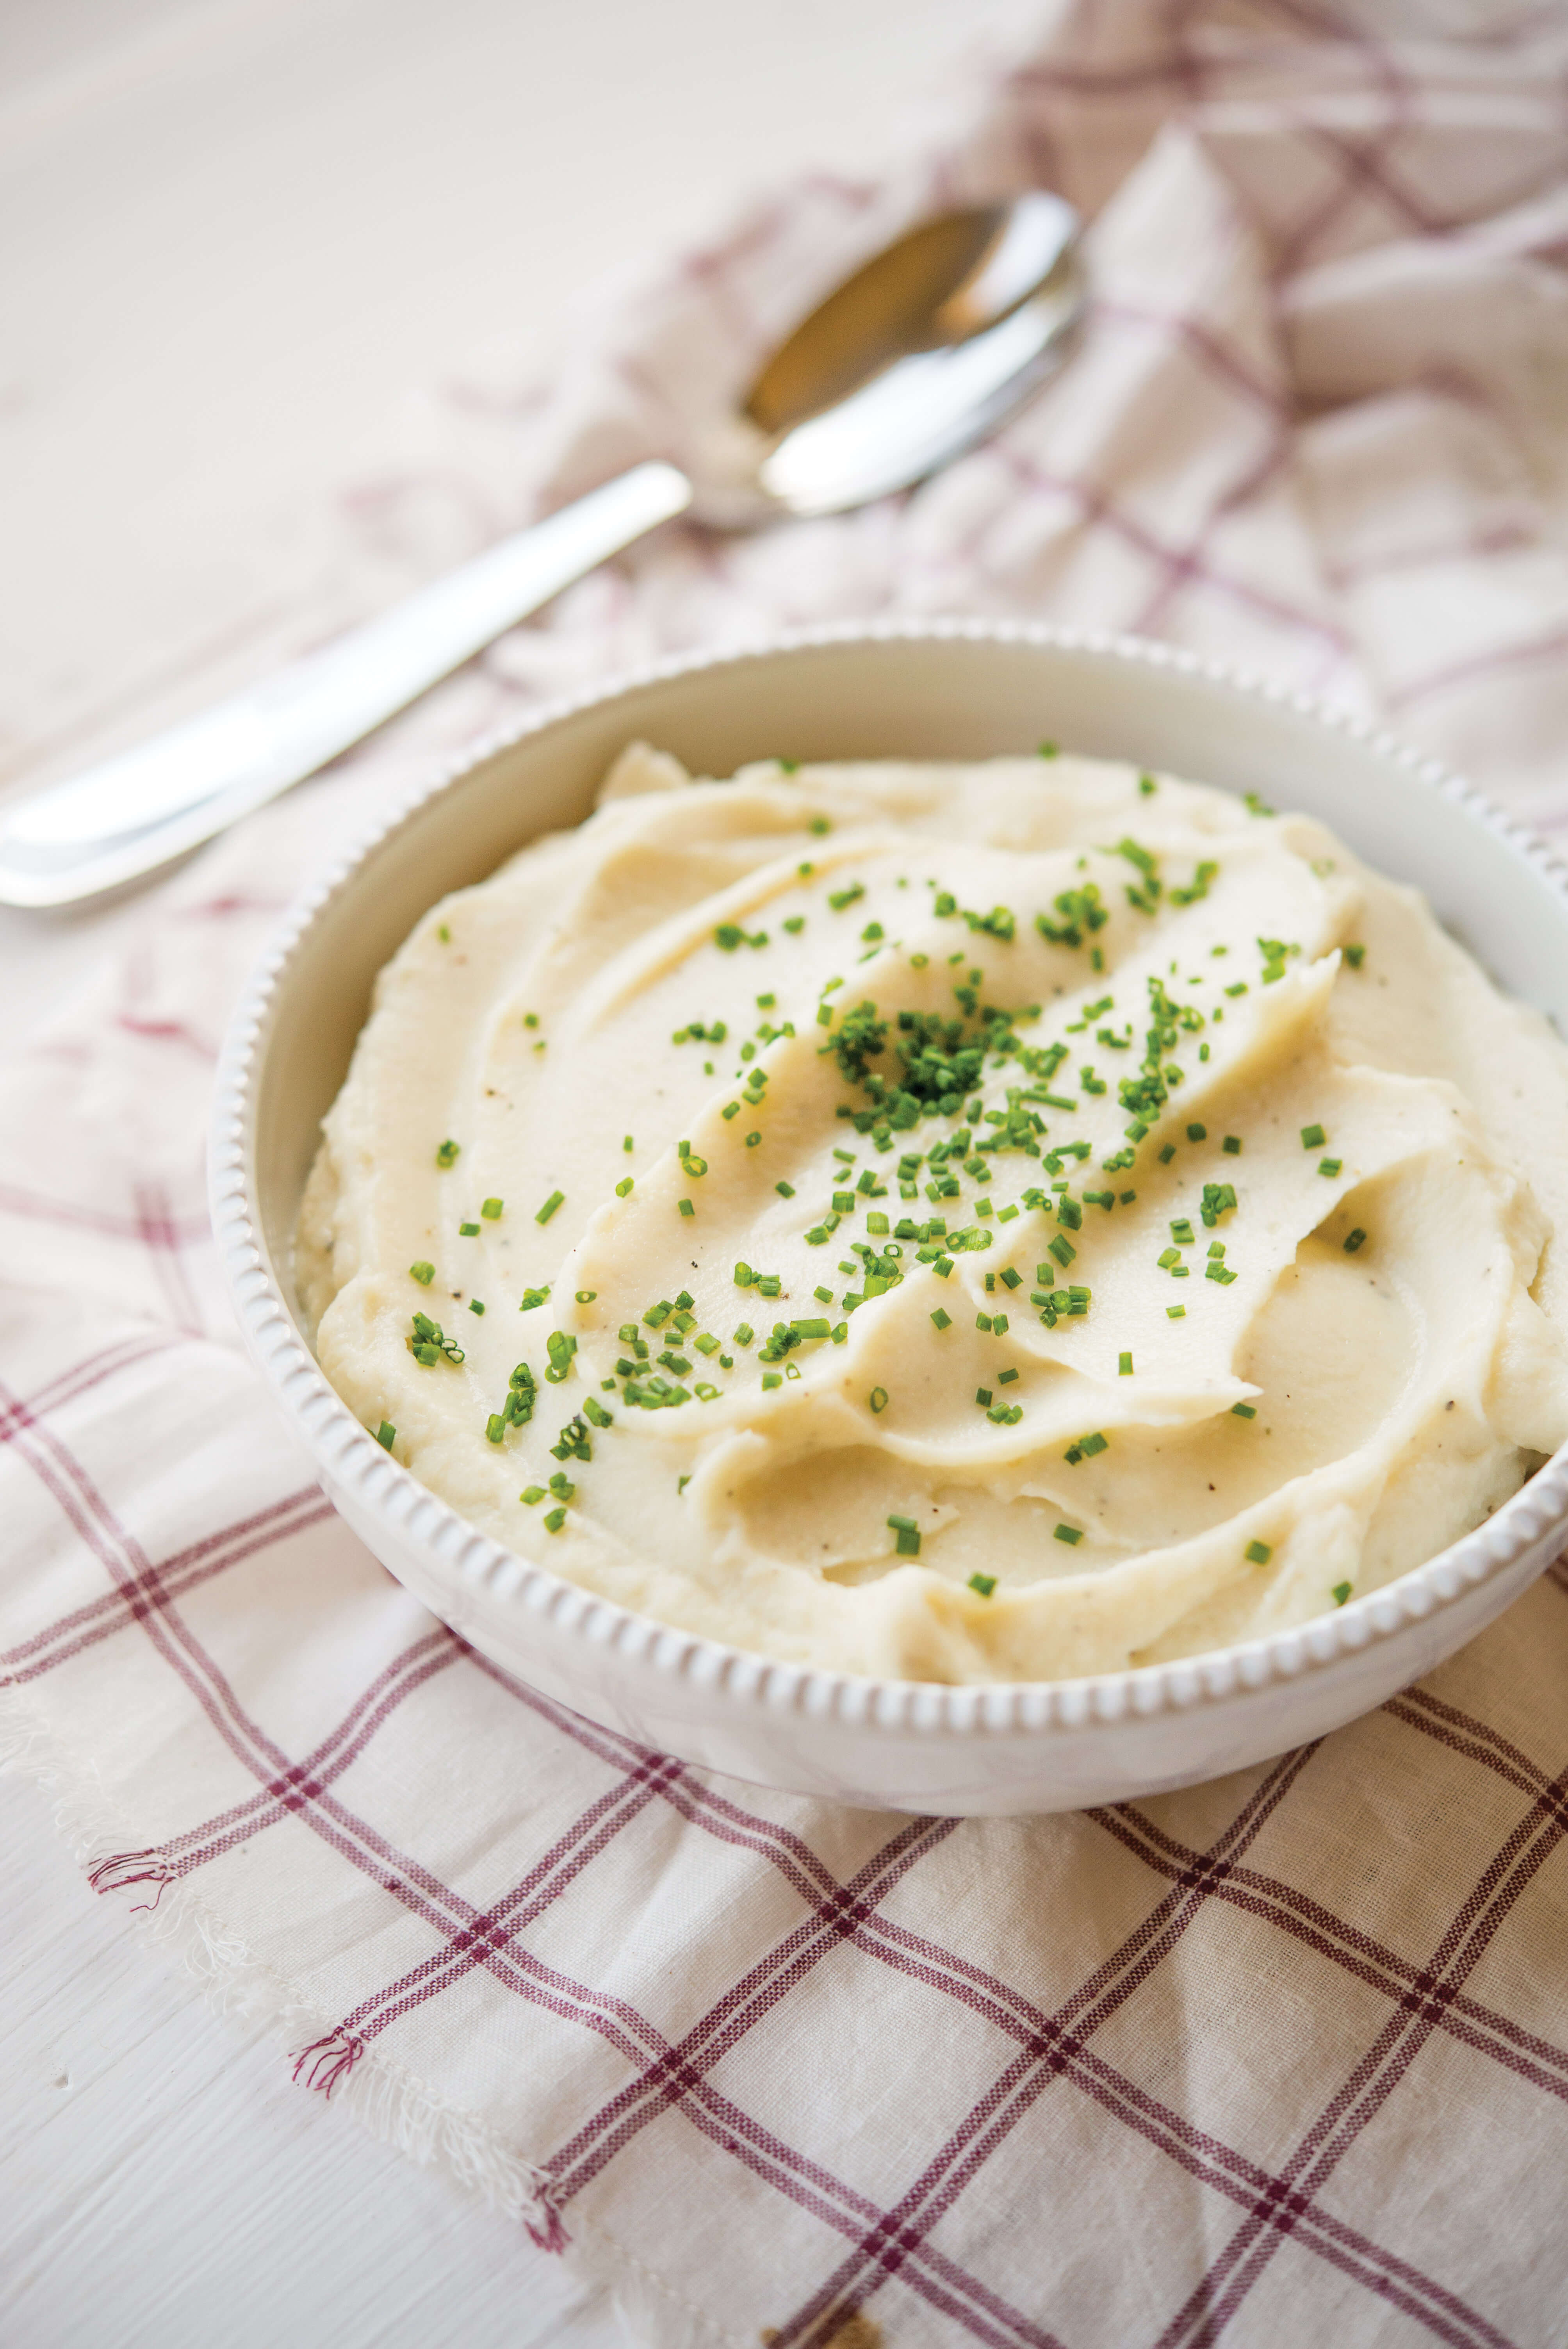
1284,2059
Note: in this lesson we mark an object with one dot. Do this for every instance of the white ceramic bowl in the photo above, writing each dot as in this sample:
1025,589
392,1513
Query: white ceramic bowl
931,689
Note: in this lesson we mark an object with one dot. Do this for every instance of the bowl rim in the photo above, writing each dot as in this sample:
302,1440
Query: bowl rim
353,1457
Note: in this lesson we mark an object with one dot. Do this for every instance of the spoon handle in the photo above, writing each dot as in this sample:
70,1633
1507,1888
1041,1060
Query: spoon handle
134,812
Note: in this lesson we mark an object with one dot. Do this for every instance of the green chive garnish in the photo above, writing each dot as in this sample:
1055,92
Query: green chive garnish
555,1519
1124,1366
533,1495
447,1156
1244,1410
908,1532
1313,1137
1232,1145
1072,1535
467,1231
1329,1166
942,1320
1258,1553
491,1210
423,1273
556,1199
385,1435
878,1398
1341,1592
1353,1240
983,1585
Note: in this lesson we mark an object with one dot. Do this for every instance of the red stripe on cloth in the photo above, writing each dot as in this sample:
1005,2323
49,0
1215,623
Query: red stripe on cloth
1371,1962
1222,2291
33,1208
100,1619
1180,566
89,1372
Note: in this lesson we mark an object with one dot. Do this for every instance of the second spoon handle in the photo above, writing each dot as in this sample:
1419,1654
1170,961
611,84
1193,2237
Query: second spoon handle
136,811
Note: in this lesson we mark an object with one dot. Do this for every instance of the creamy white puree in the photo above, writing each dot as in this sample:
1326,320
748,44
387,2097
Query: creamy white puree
1327,1416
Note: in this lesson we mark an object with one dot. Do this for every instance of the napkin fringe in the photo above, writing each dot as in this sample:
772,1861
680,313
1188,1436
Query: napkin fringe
391,2104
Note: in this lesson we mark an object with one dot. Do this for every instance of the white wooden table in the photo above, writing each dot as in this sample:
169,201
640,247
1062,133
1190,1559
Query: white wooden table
231,233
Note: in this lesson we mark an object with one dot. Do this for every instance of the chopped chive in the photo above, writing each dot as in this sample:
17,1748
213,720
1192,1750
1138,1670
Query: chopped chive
623,1188
1168,1154
1124,1366
878,1398
1072,1535
1353,1240
1012,1279
447,1154
943,1320
685,1206
983,1584
556,1199
422,1272
983,1396
555,1519
467,1231
1244,1410
1341,1592
785,1190
772,1379
586,1296
1232,1145
1007,1378
1175,1313
491,1211
531,1494
1313,1137
1258,1553
474,1305
908,1532
1329,1166
533,1297
1355,957
1048,751
385,1435
982,1321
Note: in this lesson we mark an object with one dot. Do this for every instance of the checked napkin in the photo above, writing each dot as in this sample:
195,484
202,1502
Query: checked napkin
1280,2060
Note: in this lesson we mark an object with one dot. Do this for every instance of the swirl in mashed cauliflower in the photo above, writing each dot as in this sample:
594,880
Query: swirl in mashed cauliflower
962,1223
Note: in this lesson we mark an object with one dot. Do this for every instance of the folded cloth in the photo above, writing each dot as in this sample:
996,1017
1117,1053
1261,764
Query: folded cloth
1283,2058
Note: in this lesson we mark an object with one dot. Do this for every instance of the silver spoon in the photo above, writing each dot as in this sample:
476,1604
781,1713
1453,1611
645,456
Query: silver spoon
921,354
